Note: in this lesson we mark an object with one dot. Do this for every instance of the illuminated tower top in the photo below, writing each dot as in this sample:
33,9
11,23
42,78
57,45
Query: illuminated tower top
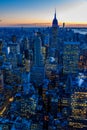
55,21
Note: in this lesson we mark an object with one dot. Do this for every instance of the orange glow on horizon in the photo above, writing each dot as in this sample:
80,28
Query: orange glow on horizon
41,23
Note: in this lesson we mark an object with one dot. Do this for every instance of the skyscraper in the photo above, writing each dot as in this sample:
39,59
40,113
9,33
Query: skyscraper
1,81
54,37
37,71
55,21
78,118
1,45
70,57
38,58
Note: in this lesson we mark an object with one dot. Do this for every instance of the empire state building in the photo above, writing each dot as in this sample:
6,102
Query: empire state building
54,36
55,21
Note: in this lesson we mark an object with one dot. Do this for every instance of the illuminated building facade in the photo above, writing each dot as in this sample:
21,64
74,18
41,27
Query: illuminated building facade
50,66
14,47
70,57
83,58
36,126
28,107
78,118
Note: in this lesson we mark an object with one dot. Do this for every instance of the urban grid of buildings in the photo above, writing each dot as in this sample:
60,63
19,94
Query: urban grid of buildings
43,78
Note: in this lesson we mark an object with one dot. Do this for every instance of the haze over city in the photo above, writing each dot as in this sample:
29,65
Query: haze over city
22,12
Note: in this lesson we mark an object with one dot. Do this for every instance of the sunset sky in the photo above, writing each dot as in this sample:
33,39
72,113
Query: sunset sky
42,11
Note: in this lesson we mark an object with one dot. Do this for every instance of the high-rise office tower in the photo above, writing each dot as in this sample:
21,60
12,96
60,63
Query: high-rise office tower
55,21
1,57
38,58
37,71
83,57
14,48
26,82
54,37
2,53
25,43
78,118
27,60
70,57
1,45
1,81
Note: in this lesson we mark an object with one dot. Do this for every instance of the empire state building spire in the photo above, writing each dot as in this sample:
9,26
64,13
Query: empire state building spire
55,14
55,21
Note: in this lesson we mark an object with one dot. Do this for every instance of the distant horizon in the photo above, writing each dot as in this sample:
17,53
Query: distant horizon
48,24
35,12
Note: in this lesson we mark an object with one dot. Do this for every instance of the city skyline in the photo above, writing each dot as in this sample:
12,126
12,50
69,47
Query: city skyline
43,65
32,12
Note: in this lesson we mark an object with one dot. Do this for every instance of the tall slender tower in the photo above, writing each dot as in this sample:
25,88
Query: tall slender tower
54,37
38,58
55,21
37,74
